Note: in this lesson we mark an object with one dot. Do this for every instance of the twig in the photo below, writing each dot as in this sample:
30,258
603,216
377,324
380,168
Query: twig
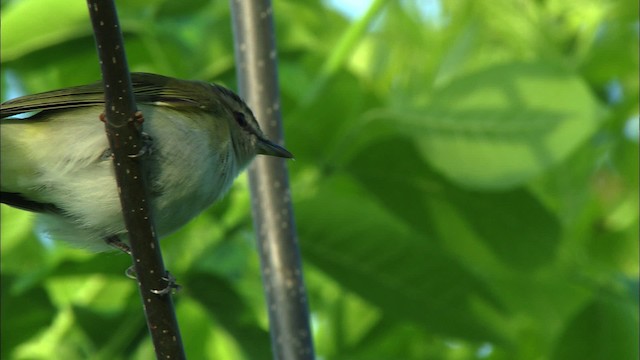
273,215
124,126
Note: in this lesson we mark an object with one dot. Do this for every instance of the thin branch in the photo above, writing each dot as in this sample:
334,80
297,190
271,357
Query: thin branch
124,129
273,215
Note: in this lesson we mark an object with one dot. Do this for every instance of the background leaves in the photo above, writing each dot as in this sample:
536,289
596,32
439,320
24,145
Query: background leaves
465,183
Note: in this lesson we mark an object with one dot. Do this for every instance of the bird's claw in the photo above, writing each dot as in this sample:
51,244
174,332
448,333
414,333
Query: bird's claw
147,141
172,286
131,273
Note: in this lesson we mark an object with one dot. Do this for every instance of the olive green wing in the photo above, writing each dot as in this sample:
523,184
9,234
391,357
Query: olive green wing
147,88
73,97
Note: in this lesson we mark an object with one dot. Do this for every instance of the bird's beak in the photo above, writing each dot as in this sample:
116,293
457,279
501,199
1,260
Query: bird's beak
266,147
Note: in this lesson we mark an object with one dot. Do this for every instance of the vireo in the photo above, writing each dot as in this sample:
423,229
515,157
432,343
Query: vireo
57,162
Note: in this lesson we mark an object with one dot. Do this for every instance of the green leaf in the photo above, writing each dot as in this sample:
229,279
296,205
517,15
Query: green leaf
512,223
500,127
350,236
336,123
224,304
34,307
111,332
606,329
33,28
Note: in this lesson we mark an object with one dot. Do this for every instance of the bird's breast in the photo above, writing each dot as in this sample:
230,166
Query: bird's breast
192,164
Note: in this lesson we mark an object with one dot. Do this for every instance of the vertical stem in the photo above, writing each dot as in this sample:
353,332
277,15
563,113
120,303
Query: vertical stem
271,204
124,134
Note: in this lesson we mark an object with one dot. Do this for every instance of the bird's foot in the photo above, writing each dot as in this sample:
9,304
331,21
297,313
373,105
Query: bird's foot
115,242
172,285
147,141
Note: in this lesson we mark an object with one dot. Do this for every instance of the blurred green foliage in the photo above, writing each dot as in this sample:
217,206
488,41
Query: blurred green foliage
464,186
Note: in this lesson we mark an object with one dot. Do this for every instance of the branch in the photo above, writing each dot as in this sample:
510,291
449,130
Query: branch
124,129
273,215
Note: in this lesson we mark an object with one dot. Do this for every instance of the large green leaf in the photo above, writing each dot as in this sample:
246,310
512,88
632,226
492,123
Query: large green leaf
512,223
379,256
606,329
501,126
32,26
223,303
34,307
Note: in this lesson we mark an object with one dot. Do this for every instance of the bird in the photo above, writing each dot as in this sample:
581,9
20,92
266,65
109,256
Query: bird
57,162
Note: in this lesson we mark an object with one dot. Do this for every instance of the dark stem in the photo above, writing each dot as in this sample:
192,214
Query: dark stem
124,126
272,212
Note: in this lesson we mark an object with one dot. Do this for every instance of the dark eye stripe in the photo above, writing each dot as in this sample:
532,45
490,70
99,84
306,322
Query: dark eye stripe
240,119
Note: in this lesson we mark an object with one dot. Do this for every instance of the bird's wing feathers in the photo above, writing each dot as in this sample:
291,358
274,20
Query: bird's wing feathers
78,96
147,88
152,88
19,201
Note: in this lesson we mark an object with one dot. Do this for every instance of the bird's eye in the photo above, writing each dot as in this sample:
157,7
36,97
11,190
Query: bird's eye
240,119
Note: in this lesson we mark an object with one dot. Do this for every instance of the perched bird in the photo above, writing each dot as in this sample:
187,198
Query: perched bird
58,164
